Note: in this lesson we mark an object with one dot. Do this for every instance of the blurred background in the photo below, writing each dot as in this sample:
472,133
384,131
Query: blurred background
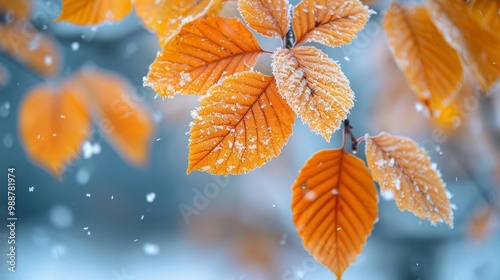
106,219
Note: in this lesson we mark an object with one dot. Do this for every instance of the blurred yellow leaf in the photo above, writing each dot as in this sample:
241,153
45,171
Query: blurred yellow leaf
53,124
36,50
477,45
242,123
451,117
329,22
314,87
334,205
405,171
19,9
204,51
269,18
126,123
487,12
431,66
92,12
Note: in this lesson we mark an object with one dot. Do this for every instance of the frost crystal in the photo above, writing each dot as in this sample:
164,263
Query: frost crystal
310,195
397,184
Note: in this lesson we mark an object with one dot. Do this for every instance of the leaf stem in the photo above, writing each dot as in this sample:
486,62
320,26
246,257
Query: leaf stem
361,139
348,131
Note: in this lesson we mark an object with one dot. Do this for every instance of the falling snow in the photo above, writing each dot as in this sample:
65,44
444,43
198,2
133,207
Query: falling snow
75,46
150,197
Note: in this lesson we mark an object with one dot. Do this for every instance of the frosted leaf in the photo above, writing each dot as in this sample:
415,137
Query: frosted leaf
269,18
314,87
333,23
235,50
411,177
241,124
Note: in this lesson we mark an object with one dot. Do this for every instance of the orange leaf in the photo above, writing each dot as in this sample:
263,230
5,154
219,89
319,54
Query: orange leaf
487,13
268,17
431,66
126,123
92,12
53,126
38,51
334,205
405,171
314,87
203,52
329,22
20,9
167,17
242,123
478,46
451,117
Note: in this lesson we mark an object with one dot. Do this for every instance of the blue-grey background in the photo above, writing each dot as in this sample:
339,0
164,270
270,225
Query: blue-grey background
246,230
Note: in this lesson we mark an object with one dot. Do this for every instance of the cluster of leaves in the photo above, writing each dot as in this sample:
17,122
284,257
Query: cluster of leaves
245,117
334,200
432,45
55,120
437,45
